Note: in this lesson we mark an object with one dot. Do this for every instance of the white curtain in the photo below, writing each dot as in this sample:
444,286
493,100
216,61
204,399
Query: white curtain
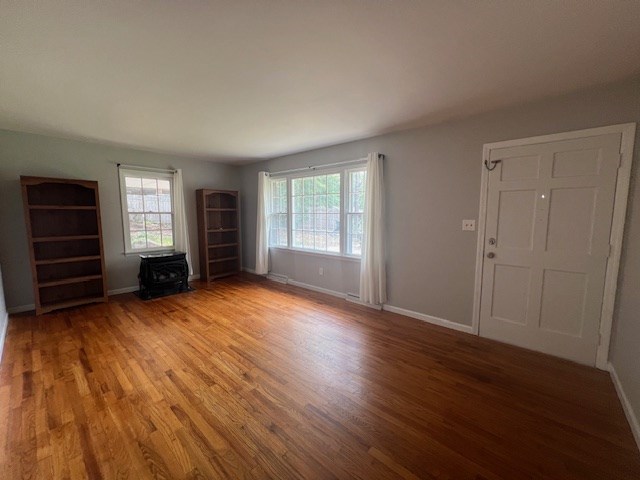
262,225
373,278
181,230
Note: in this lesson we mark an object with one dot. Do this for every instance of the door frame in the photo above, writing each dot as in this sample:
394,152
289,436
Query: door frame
628,132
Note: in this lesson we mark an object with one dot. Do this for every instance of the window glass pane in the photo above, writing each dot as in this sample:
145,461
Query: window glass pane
164,187
167,238
282,237
150,186
333,183
139,239
333,242
136,221
333,202
152,222
151,203
165,221
333,223
355,244
357,181
133,185
297,204
297,239
164,203
154,238
321,241
307,206
320,184
320,203
134,203
307,222
308,185
307,240
321,222
296,185
355,226
297,221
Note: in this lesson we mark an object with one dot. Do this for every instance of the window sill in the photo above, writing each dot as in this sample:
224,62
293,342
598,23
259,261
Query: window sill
337,256
148,252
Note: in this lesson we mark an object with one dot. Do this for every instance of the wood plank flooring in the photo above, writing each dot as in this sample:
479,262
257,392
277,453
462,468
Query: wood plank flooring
253,379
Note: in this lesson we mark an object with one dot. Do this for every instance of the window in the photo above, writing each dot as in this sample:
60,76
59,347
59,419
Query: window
278,234
355,211
308,213
147,210
315,208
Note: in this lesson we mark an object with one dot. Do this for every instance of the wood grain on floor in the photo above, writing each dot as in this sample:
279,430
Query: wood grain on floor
247,378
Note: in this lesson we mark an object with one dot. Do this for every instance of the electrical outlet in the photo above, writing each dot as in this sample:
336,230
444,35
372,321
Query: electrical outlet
469,225
321,271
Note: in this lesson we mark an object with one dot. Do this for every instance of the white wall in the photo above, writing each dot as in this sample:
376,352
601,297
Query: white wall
27,154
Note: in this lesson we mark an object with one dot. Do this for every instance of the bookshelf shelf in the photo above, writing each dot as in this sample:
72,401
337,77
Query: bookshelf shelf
65,239
218,233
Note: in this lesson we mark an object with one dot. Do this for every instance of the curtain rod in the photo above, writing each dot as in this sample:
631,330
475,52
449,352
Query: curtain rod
148,169
315,167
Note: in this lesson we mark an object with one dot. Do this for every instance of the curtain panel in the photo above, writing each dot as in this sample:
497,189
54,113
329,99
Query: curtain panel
373,277
262,225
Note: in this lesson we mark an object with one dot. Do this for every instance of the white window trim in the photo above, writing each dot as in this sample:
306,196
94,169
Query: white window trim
122,173
343,171
358,168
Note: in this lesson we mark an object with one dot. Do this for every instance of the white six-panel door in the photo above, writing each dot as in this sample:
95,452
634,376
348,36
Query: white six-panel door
548,223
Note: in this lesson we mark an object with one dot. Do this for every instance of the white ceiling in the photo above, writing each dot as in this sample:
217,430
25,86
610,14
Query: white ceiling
237,80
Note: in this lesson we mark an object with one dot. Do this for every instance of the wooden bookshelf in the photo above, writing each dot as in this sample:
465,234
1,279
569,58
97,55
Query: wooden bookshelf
218,233
65,242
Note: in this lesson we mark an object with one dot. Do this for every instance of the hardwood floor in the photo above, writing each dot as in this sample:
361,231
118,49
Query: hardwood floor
253,379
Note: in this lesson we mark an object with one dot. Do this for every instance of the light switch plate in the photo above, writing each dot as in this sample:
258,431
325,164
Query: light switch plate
469,225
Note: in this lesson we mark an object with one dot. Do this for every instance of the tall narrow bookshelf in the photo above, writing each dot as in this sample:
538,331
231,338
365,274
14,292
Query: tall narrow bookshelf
218,233
65,242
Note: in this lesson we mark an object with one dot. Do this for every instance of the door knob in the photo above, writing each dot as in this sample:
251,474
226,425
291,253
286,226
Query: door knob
491,255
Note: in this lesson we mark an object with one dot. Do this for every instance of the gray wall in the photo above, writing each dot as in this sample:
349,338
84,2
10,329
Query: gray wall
433,182
26,154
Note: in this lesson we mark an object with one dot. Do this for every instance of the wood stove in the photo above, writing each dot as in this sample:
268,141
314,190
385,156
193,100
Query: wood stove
163,274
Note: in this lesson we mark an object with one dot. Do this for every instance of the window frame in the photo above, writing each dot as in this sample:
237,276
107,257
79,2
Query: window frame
142,173
272,214
347,211
344,193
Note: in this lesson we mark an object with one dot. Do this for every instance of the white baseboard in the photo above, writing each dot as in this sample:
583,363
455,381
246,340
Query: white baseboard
390,308
626,405
276,277
333,293
355,299
3,333
120,291
429,319
22,308
114,291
